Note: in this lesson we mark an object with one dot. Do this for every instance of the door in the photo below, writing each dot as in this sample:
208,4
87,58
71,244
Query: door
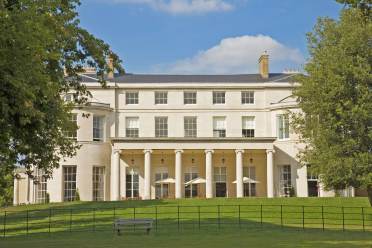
220,181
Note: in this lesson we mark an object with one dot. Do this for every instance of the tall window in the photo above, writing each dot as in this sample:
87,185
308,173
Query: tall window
161,97
285,180
220,180
190,126
248,126
69,183
161,189
131,97
98,128
132,183
98,183
73,120
161,126
219,127
250,187
132,127
218,97
40,187
282,126
191,190
247,97
189,97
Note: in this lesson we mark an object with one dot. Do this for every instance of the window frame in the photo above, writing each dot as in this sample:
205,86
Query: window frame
100,128
218,99
161,97
69,134
248,132
283,131
219,133
98,187
246,100
131,132
161,132
71,196
131,99
192,99
193,131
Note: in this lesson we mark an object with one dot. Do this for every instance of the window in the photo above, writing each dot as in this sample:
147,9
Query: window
191,190
189,97
248,126
161,189
132,127
285,181
98,183
131,97
161,97
219,127
220,181
98,128
69,183
40,186
161,126
190,126
132,183
69,97
250,187
247,97
218,97
283,126
72,134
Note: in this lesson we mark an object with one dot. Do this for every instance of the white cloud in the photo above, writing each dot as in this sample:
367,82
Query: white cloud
183,6
234,55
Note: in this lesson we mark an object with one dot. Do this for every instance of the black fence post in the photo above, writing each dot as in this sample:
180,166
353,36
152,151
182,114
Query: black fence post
178,217
27,222
323,217
239,217
114,217
71,220
364,229
261,216
219,219
156,217
50,218
199,217
303,217
343,218
4,224
94,219
134,212
281,215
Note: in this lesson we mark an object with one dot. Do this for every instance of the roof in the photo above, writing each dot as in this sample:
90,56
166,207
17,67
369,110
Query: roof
164,78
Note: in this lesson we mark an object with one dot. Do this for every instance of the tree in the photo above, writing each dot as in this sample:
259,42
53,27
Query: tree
336,100
42,51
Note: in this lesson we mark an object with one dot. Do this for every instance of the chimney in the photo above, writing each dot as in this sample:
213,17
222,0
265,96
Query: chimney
110,63
263,63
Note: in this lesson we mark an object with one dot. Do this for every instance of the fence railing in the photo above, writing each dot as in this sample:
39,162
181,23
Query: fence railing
171,217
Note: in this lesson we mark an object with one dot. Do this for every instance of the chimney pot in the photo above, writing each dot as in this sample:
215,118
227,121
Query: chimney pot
263,63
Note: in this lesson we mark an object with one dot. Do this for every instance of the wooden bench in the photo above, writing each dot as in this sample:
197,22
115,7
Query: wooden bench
126,224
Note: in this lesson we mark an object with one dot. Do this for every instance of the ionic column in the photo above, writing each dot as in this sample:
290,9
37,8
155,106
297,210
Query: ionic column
270,172
208,174
115,175
147,184
239,173
178,173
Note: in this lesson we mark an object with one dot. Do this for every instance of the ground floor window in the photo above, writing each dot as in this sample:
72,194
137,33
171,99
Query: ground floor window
40,182
161,189
98,183
285,182
132,183
191,190
250,187
69,183
220,181
312,185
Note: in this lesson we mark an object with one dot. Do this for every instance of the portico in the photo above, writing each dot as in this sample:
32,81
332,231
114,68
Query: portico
179,168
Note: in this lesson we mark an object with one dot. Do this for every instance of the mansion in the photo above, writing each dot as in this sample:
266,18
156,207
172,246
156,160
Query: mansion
180,136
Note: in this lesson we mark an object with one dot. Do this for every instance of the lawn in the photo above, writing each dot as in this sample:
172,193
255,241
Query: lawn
278,222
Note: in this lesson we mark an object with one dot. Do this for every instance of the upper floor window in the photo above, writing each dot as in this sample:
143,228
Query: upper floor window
248,126
161,97
247,97
282,126
189,97
73,120
131,97
219,127
219,97
98,128
132,127
190,126
161,126
69,97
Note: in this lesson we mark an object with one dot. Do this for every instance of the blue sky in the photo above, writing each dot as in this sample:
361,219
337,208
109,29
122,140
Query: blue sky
205,36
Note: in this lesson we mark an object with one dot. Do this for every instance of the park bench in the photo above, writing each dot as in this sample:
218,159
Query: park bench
133,224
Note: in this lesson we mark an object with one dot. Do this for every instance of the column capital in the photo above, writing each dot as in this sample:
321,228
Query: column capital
178,150
239,151
114,151
147,151
209,151
270,151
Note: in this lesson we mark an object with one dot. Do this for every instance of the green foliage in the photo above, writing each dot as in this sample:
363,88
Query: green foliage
6,187
40,41
335,96
77,195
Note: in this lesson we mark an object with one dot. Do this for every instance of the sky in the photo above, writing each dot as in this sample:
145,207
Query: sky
205,36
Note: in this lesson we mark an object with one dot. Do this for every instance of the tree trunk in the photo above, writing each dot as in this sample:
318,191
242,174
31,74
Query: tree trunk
369,190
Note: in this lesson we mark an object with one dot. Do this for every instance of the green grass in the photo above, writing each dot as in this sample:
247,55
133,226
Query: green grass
201,223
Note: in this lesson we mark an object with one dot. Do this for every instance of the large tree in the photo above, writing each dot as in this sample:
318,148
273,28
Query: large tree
42,51
335,95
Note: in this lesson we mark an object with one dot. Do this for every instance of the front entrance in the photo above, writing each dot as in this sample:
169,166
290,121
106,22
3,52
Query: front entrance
161,189
220,181
312,187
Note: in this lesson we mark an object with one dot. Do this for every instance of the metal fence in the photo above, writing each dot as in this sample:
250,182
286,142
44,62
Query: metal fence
170,217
